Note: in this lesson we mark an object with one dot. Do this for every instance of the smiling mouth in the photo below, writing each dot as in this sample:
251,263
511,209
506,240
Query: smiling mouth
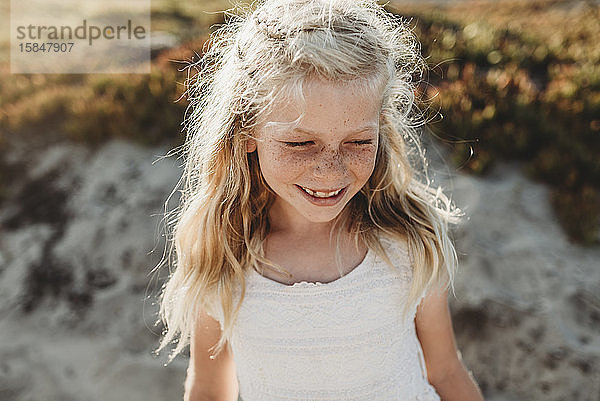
319,194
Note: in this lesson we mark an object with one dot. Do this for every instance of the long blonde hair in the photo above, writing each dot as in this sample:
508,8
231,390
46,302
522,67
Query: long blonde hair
262,55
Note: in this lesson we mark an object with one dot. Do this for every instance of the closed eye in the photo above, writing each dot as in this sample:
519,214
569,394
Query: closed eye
296,144
306,143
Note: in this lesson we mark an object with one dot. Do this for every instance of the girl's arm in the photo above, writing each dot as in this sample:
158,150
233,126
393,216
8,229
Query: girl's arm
209,379
445,370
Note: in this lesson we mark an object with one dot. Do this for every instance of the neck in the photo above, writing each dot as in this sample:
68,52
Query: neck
284,222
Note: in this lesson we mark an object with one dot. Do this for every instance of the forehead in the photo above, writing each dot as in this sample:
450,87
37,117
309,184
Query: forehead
326,107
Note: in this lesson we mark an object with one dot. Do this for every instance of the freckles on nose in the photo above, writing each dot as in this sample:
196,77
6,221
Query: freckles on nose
330,162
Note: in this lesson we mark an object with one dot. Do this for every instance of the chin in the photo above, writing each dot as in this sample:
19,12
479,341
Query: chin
324,216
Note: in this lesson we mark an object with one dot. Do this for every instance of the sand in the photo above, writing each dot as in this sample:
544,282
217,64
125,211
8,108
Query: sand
80,236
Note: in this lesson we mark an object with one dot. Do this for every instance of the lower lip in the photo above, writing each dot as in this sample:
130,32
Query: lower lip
332,200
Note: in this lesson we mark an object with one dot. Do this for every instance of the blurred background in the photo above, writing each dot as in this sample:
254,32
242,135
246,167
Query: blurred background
513,99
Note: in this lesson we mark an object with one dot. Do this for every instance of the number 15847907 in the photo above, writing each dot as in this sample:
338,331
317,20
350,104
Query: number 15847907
46,47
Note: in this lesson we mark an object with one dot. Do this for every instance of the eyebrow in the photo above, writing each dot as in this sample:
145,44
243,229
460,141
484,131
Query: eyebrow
370,127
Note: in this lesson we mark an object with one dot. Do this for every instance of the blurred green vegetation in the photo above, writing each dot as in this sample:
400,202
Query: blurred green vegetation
520,81
513,80
93,108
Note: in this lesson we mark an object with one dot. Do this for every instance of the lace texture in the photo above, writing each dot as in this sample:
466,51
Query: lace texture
343,340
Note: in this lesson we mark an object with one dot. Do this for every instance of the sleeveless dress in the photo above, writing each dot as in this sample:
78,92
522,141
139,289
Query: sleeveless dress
343,340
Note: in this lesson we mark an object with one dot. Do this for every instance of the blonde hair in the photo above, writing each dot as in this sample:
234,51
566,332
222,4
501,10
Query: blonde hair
264,55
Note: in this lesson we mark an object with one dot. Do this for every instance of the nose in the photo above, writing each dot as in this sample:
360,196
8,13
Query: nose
329,164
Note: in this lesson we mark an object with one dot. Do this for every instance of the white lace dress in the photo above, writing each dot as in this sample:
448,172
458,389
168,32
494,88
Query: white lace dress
343,340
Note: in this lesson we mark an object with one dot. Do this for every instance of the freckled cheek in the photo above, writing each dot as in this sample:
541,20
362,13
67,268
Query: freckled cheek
282,164
361,163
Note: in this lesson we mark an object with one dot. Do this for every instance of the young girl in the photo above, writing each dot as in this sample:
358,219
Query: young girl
311,261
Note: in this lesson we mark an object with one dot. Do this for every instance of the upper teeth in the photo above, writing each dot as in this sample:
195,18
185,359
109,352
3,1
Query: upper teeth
322,194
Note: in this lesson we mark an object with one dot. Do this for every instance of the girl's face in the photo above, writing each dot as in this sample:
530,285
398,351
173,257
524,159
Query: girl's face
317,165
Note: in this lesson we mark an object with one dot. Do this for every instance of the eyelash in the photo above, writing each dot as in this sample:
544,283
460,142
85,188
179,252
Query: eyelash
298,144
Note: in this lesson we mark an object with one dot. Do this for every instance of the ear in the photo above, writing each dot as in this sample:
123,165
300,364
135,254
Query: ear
250,145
